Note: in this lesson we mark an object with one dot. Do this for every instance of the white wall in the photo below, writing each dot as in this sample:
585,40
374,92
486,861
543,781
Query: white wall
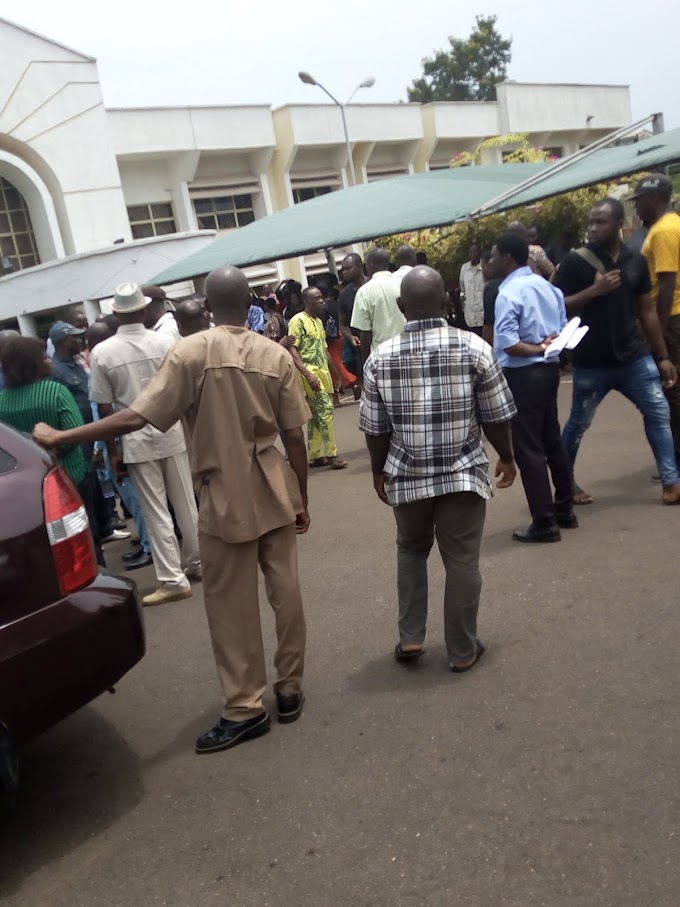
537,108
52,117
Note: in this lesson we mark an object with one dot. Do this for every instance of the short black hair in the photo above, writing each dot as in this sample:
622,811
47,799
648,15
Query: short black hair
23,361
307,290
354,257
614,205
378,258
474,245
514,245
110,320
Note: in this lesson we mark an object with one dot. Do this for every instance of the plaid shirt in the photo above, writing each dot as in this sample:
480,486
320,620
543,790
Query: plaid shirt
428,388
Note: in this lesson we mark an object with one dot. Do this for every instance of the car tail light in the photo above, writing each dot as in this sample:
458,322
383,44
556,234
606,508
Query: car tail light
68,530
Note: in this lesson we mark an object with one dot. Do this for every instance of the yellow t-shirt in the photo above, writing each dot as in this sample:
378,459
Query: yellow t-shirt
662,251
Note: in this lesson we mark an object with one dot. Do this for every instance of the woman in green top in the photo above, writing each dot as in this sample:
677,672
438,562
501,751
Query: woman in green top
30,396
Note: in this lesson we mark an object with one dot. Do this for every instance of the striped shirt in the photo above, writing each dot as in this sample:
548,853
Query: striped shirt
429,388
50,402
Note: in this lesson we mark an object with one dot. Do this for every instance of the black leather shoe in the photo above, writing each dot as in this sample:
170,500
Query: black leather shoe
143,560
226,733
567,520
131,555
289,706
537,536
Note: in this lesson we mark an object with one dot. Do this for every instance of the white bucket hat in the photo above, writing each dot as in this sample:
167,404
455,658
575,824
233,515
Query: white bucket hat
129,298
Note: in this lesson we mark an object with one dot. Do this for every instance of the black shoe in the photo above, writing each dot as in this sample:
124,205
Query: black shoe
226,733
135,542
119,524
132,555
537,536
567,520
143,560
289,706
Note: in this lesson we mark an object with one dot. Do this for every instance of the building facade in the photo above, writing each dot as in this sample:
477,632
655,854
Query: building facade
77,179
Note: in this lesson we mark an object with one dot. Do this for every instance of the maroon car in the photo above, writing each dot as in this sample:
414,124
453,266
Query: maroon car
67,631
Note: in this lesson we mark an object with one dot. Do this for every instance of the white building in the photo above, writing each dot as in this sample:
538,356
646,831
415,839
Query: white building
77,178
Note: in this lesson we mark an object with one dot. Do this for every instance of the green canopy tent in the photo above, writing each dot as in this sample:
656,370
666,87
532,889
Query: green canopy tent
415,202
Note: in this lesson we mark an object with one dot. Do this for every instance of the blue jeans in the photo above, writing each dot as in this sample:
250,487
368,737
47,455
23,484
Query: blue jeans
128,496
641,384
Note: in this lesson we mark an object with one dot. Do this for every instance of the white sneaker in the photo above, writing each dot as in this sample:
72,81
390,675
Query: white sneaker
116,536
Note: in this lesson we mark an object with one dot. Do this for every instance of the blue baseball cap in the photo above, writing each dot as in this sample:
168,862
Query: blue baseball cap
60,330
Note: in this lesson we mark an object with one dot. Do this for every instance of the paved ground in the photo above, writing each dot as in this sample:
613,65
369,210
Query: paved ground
547,776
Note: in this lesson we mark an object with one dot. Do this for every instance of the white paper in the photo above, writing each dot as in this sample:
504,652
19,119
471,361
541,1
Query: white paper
568,338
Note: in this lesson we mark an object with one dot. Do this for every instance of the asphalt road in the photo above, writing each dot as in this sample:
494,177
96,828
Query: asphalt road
546,776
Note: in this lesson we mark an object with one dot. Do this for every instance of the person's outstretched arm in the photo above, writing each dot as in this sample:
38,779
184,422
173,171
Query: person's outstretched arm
120,423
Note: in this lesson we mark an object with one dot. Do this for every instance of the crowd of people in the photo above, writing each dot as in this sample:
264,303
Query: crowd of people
203,436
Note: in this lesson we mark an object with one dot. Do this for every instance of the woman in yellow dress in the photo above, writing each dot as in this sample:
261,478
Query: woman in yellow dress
310,352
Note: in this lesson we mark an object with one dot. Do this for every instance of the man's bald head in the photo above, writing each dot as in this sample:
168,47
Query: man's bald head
422,294
406,255
191,317
228,295
96,333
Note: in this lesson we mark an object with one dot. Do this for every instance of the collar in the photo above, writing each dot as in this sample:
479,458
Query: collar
69,362
520,272
425,324
131,329
381,275
472,267
164,317
602,253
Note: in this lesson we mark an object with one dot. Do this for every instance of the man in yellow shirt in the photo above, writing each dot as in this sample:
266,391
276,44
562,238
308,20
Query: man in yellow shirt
662,250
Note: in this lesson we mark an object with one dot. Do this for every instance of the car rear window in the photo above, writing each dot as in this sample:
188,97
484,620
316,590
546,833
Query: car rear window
7,462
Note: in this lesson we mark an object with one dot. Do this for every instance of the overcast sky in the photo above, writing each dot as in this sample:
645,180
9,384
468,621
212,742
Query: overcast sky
227,52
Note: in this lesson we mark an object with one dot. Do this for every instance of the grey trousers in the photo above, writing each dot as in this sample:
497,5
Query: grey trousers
457,522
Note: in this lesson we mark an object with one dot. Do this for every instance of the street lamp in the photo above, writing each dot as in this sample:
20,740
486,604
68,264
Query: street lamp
367,83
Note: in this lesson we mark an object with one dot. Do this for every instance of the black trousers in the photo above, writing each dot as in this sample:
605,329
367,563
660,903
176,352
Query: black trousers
537,440
88,492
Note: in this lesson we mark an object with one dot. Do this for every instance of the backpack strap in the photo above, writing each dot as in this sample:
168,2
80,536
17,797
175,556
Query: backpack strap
592,259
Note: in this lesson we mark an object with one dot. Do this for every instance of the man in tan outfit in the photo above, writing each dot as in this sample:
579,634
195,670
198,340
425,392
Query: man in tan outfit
236,390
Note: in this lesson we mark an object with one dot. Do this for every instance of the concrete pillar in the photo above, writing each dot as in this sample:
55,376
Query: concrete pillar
92,310
185,216
27,325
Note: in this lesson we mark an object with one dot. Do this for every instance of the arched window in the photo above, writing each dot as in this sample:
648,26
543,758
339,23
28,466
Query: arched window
17,240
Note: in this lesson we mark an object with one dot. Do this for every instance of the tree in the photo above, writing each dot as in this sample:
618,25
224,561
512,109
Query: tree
469,71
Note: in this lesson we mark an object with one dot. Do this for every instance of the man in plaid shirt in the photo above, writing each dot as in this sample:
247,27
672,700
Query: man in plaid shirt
426,392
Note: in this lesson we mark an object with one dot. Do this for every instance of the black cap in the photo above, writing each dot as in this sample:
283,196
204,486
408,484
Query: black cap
655,182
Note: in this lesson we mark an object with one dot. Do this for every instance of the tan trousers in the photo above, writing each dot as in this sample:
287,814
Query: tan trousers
154,483
232,604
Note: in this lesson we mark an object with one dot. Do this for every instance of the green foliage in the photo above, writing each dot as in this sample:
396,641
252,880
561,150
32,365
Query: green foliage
523,154
469,70
447,247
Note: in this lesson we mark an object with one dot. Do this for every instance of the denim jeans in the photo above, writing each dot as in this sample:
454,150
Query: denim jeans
641,384
128,495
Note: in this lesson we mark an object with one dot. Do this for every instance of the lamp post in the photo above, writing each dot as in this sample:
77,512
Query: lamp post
367,83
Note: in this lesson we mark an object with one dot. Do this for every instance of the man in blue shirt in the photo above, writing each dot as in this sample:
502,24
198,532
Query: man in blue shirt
256,320
530,312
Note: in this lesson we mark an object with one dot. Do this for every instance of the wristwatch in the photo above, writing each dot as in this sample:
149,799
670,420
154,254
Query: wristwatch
544,346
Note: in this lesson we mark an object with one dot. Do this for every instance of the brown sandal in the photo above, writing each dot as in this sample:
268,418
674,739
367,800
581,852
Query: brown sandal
334,463
317,464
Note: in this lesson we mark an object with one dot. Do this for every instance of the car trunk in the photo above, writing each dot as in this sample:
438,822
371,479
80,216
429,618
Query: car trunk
28,579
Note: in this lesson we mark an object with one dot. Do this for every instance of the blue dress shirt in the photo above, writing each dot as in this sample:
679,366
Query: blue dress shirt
528,309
